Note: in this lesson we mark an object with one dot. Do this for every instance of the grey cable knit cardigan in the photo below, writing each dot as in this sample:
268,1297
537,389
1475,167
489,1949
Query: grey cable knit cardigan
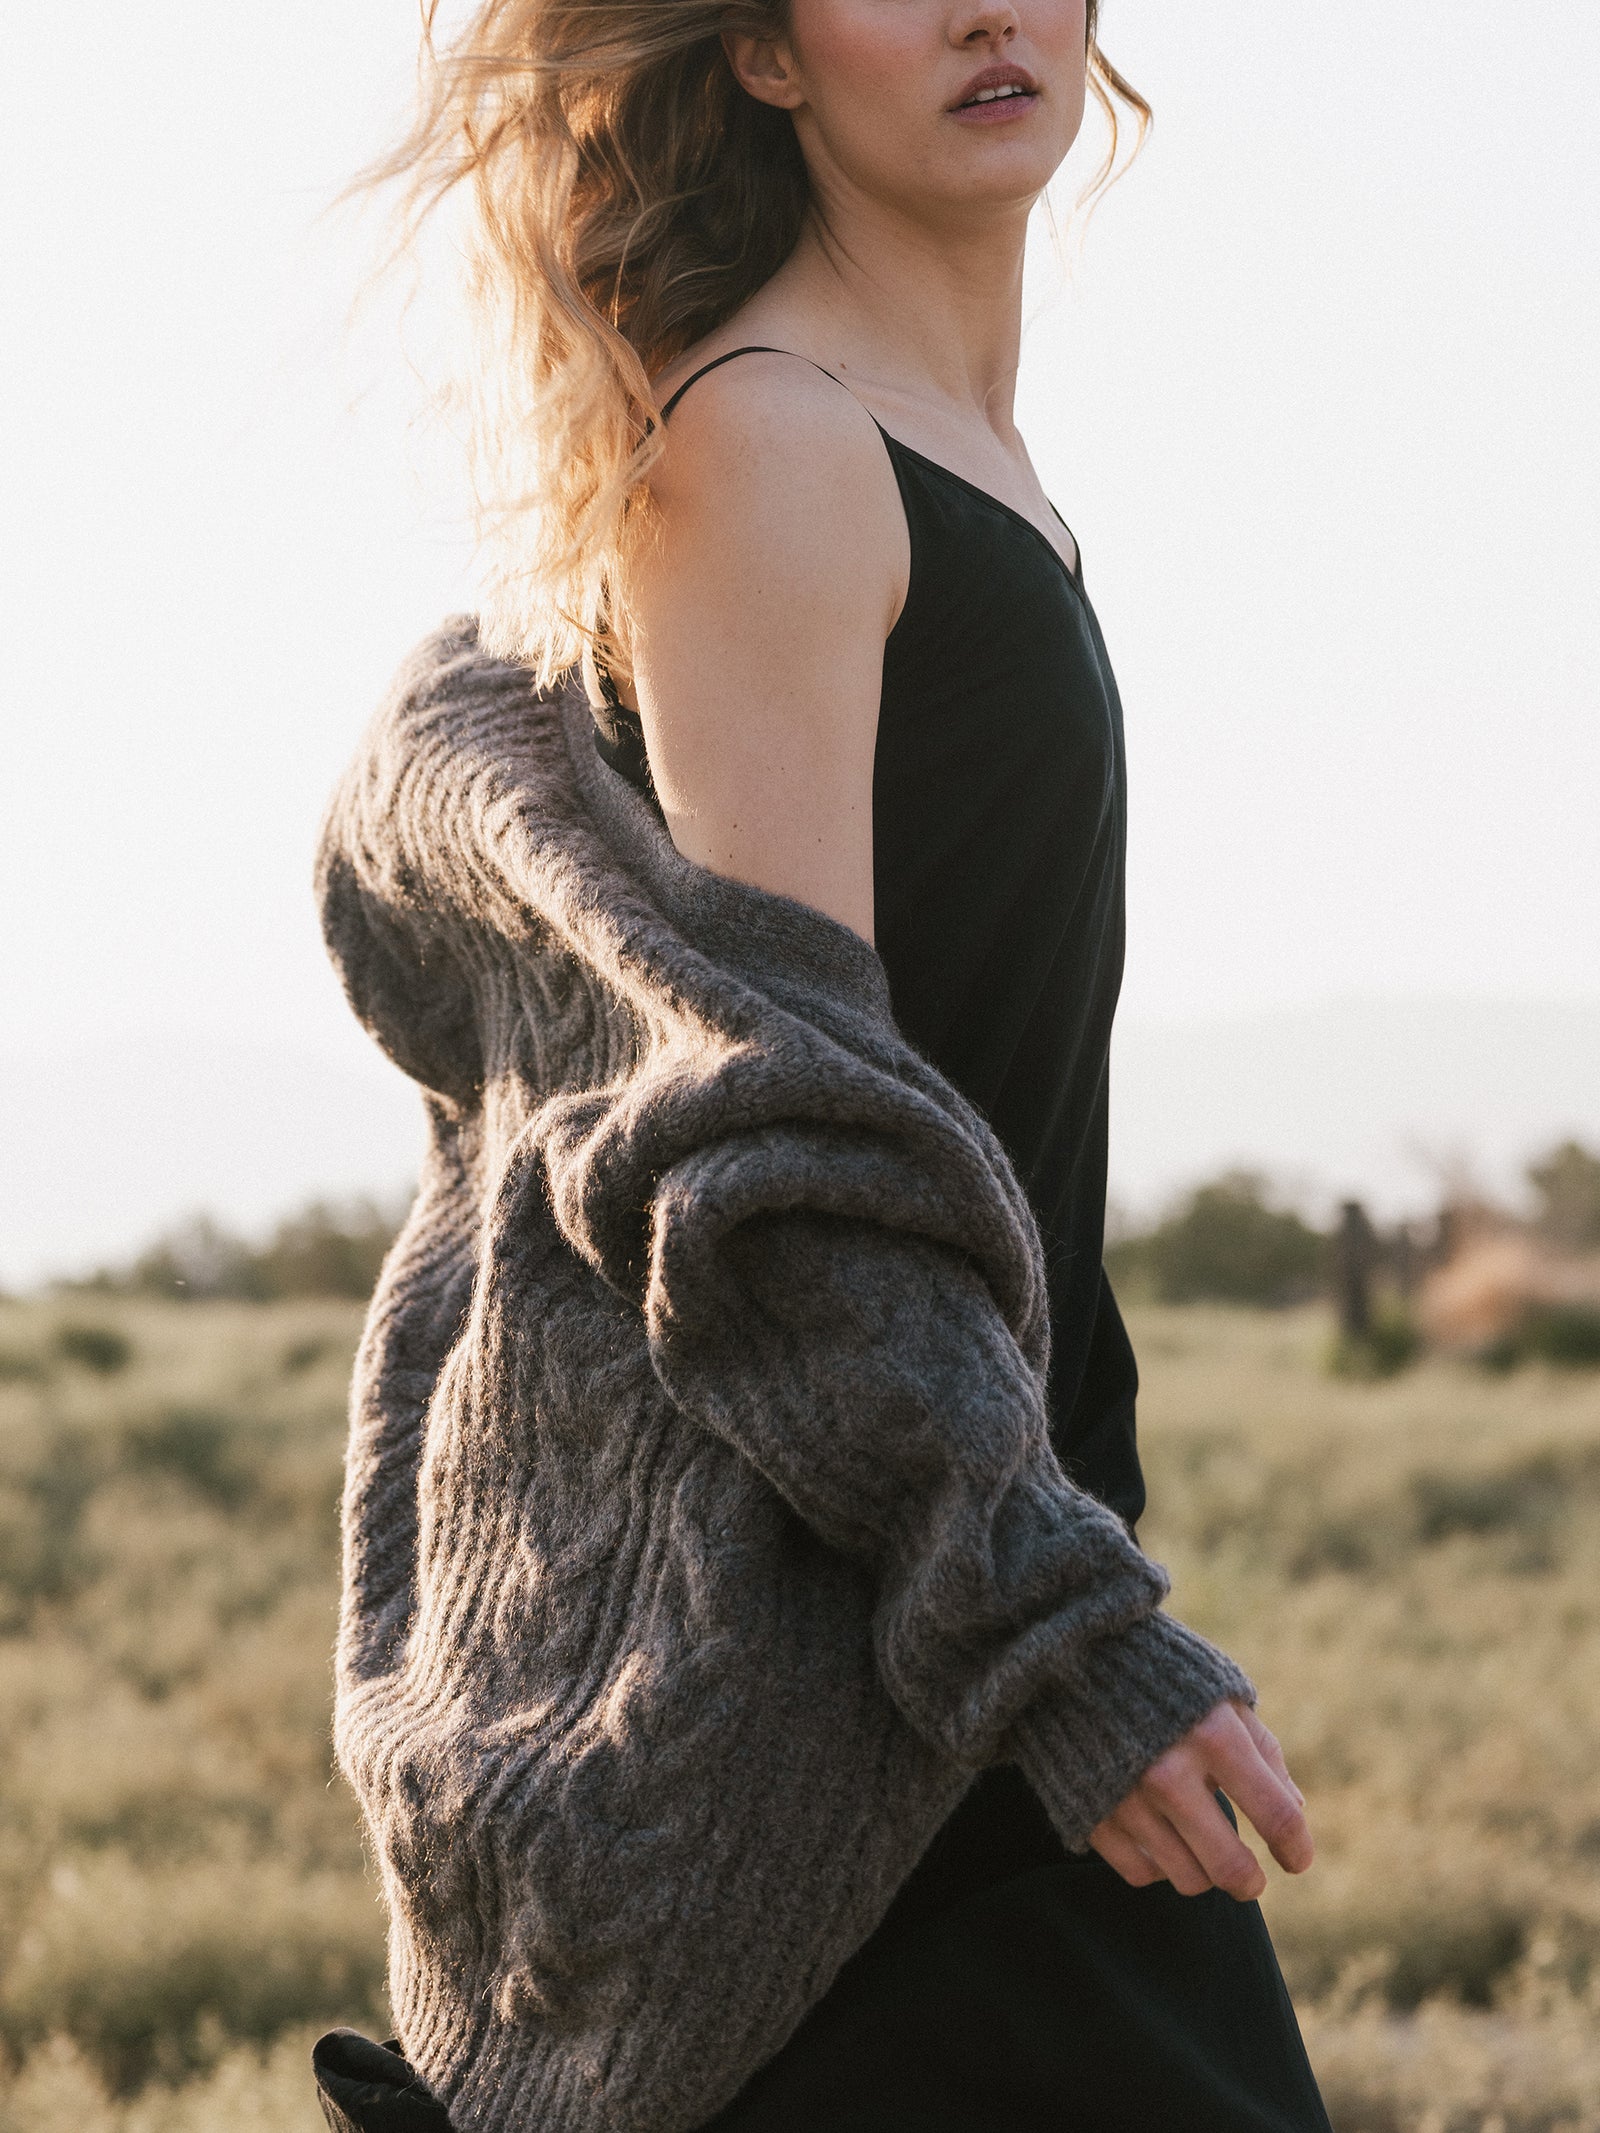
702,1534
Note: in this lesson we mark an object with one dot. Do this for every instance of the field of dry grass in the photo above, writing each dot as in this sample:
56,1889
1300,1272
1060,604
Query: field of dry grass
1411,1571
1408,1569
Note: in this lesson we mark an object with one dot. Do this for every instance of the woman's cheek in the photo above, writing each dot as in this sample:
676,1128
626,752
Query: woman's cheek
871,60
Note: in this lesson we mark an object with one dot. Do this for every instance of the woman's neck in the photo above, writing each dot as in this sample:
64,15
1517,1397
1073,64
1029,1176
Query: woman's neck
925,321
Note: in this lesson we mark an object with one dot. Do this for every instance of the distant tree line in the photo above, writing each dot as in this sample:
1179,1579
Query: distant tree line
1226,1242
328,1248
1231,1241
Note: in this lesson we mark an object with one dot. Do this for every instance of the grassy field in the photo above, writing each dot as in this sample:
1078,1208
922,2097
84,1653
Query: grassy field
1409,1570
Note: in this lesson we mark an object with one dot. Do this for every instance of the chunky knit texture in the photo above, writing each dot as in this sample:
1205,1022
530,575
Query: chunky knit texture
703,1537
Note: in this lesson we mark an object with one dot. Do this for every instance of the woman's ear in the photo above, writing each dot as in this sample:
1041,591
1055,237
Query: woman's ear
764,67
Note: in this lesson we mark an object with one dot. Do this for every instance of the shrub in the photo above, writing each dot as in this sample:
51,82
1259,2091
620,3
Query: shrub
305,1355
1418,1941
1524,1498
42,1498
1567,1185
1227,1244
101,1349
324,1250
1566,1336
200,1447
58,2090
1389,1344
155,1970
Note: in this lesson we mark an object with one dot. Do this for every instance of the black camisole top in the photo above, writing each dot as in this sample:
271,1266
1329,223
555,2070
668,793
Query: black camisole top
999,827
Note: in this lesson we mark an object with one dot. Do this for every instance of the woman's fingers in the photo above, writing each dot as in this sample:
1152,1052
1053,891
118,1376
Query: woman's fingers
1120,1851
1267,1741
1271,1802
1172,1827
1155,1835
1174,1791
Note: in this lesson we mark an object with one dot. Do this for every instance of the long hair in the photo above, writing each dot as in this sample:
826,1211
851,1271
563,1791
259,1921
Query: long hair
627,195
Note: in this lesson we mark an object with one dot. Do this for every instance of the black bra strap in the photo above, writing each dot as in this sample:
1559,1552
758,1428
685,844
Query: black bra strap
750,348
622,743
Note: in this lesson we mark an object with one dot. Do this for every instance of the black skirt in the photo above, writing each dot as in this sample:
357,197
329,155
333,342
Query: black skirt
1029,1993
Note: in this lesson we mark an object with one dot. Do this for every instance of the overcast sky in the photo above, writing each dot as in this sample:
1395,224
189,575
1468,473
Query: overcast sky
1319,401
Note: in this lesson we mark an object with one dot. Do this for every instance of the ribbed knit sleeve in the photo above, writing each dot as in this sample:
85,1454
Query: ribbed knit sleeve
815,1301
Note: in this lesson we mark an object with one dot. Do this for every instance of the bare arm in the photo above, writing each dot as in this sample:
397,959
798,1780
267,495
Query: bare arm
762,613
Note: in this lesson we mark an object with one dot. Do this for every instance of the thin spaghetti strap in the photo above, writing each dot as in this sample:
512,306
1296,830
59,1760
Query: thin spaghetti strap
621,739
750,348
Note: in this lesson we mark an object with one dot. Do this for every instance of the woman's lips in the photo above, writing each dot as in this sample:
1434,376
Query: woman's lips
997,110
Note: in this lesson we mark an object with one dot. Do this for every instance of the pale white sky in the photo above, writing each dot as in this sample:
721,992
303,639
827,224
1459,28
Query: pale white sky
1320,402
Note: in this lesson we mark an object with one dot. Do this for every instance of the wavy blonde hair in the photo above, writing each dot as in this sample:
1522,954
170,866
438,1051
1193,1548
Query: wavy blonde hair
627,196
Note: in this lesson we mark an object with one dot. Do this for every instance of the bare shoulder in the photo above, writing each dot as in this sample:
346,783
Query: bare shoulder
768,456
762,395
760,617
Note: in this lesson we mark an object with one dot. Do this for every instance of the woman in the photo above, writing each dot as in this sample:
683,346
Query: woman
838,649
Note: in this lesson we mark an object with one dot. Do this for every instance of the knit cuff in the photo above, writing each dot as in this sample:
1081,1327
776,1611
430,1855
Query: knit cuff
1084,1743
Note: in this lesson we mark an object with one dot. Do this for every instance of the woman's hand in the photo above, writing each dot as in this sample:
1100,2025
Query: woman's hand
1171,1828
